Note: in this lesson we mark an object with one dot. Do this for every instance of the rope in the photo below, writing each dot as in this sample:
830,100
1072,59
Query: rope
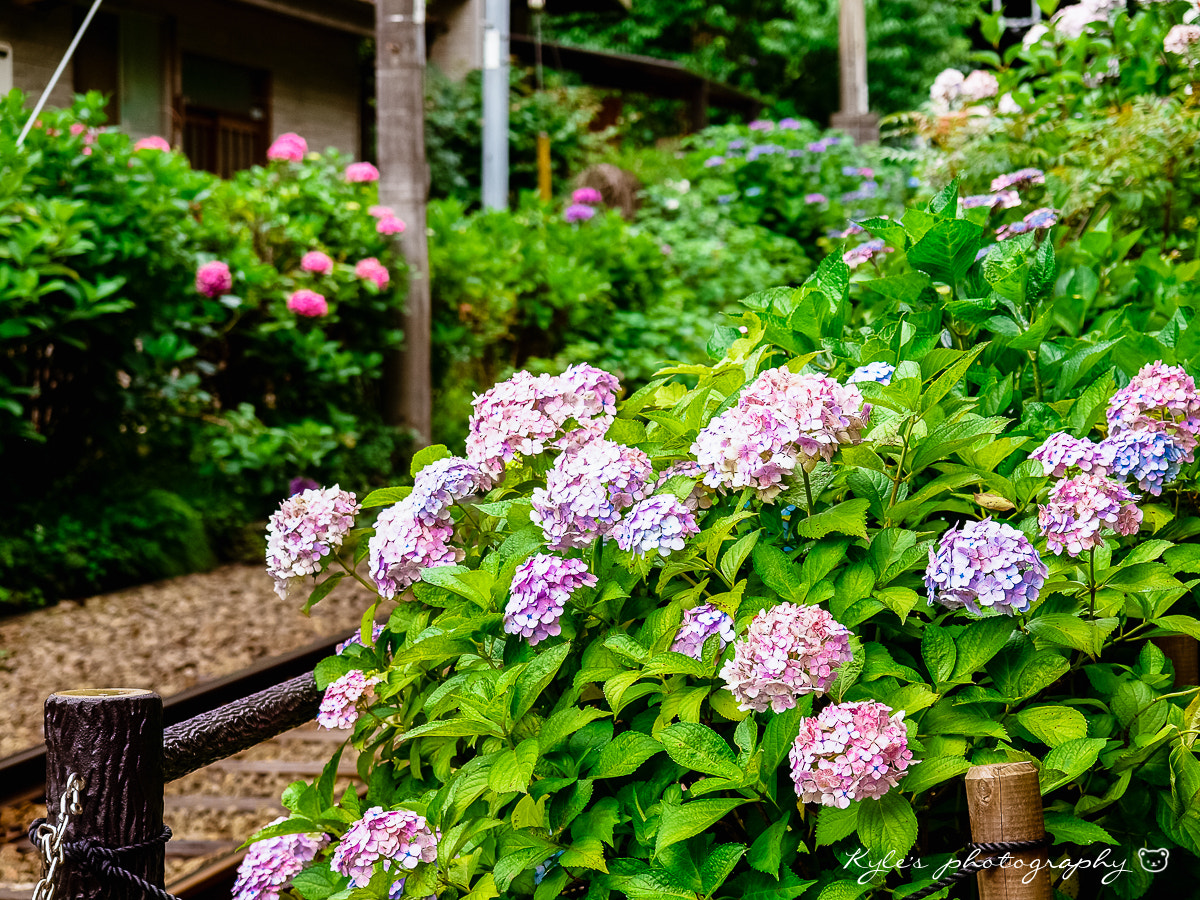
105,861
985,851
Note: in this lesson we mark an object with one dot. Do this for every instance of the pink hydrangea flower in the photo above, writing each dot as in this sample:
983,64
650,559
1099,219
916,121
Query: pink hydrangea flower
213,279
848,752
400,837
985,565
788,651
1019,177
306,529
361,173
586,490
1080,508
783,420
78,128
371,269
289,147
381,212
308,303
698,625
403,546
1061,452
441,484
541,587
587,195
526,414
153,142
1159,398
390,225
657,524
579,212
339,706
316,262
269,866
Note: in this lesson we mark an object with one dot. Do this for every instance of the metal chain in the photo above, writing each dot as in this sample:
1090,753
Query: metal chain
49,838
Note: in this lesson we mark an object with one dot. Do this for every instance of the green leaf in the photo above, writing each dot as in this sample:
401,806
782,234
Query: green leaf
624,754
779,573
833,824
766,853
1079,363
700,749
1053,725
317,882
781,732
1067,630
849,517
587,853
944,202
427,455
1068,761
732,561
321,591
1068,829
937,649
680,822
934,771
718,865
538,673
947,250
977,644
888,825
512,769
951,378
385,496
1179,625
1147,576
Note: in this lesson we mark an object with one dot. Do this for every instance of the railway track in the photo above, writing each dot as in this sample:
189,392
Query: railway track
207,794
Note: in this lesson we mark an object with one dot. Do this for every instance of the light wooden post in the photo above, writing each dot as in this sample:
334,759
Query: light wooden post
545,188
113,739
1005,804
1184,653
404,185
855,116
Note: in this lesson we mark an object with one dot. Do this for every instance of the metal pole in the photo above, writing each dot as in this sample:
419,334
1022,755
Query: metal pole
37,110
495,104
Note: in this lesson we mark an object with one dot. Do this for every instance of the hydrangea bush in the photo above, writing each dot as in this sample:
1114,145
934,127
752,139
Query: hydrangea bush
717,636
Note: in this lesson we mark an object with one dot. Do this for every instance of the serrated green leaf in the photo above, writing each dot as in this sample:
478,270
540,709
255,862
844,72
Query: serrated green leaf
1053,725
624,754
848,517
699,748
680,822
888,825
934,771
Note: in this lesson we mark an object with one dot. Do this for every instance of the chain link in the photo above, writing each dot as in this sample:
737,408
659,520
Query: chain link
49,838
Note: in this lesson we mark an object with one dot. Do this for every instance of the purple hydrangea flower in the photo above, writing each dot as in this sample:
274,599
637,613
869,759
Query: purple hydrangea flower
790,124
307,528
1061,452
698,625
1080,508
579,212
441,484
815,198
586,490
1159,398
660,523
1043,217
339,706
879,372
985,565
541,587
1019,177
762,125
736,145
780,421
399,837
713,161
1149,457
526,414
850,751
997,200
269,866
788,651
300,484
376,631
404,544
587,195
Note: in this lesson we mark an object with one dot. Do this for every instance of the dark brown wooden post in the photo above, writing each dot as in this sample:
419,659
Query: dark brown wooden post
1184,653
113,739
1005,804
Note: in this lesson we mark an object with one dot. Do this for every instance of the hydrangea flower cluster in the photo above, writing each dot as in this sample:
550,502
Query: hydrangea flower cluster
389,225
528,413
1061,452
308,303
361,173
586,490
305,529
541,587
154,142
879,372
998,200
587,195
371,269
788,651
815,198
579,212
1151,458
339,706
782,420
213,279
856,256
1182,40
985,565
698,625
1080,508
848,752
1159,398
660,523
1019,177
317,262
1038,219
398,836
288,147
269,866
415,533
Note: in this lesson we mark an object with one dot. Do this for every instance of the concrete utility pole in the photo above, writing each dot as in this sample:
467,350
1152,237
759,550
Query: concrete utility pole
404,186
495,104
855,116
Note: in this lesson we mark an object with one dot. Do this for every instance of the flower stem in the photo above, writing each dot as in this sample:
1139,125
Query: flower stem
353,574
1092,581
807,491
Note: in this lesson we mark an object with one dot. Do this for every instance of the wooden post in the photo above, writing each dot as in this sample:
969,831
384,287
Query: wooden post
855,115
545,189
1005,804
404,185
1184,653
113,739
698,108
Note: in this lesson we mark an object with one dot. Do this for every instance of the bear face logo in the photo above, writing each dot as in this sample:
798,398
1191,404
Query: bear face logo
1153,860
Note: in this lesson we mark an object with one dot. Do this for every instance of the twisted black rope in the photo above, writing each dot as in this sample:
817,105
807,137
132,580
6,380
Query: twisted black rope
986,851
105,861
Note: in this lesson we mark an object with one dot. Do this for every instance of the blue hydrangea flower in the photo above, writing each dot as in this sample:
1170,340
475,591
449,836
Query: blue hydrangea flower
985,565
1151,458
879,372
